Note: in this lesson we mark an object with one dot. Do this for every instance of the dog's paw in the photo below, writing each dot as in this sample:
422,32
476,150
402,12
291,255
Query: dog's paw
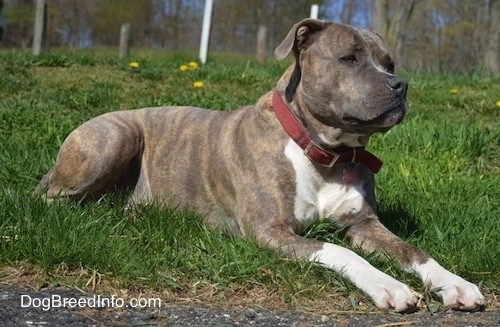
454,291
459,294
389,293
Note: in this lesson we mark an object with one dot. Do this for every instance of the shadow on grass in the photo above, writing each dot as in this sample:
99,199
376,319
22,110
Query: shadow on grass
393,216
397,220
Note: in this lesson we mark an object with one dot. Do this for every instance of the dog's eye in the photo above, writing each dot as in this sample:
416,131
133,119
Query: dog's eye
351,59
390,67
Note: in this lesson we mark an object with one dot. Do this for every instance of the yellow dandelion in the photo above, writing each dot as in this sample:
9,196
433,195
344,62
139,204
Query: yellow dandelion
134,64
198,84
454,91
498,104
183,68
193,65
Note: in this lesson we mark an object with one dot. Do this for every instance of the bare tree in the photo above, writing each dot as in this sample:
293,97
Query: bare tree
456,35
69,20
390,18
351,12
492,51
20,15
235,23
1,20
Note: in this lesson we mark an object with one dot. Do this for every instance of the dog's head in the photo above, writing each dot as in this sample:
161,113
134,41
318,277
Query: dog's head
342,81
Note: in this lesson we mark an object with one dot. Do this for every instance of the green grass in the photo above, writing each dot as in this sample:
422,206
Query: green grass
438,189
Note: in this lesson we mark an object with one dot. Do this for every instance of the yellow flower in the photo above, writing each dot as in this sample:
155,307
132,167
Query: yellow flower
134,64
498,104
454,91
193,65
183,68
198,84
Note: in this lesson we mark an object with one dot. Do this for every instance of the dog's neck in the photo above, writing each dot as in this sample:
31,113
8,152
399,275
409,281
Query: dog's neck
296,130
329,137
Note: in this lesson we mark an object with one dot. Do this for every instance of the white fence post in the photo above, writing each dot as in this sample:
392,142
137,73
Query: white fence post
39,27
314,11
205,31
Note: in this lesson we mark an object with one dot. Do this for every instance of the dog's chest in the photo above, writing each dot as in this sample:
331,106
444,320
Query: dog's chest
318,196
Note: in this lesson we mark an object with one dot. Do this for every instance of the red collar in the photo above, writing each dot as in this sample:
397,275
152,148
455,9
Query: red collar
316,153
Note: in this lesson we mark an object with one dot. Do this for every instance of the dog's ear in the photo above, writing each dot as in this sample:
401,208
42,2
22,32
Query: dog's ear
298,37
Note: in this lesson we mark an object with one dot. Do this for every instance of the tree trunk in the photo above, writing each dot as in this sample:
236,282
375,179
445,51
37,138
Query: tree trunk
491,55
390,19
1,18
380,17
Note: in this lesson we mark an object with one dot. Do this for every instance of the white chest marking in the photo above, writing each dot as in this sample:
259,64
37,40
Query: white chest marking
319,197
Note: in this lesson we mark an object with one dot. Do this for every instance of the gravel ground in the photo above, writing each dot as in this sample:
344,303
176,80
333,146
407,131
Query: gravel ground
68,307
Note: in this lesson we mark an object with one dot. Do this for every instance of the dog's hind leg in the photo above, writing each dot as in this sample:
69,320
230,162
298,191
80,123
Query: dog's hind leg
99,156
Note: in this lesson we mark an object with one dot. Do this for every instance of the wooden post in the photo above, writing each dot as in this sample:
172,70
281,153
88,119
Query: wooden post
261,44
39,27
124,40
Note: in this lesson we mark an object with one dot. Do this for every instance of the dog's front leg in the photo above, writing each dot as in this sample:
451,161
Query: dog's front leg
453,290
385,291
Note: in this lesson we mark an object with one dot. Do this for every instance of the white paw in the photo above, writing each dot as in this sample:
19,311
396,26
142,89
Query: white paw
385,291
459,294
389,293
453,290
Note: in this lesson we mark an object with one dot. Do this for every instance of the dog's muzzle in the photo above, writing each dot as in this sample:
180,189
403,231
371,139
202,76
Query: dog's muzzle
388,109
397,85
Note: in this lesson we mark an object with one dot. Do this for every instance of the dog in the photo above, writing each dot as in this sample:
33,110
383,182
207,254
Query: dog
269,170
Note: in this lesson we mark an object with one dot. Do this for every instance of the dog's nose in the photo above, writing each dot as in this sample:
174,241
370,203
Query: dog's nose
397,84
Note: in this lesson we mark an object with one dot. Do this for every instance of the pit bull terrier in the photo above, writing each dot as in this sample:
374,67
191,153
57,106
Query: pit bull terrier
268,170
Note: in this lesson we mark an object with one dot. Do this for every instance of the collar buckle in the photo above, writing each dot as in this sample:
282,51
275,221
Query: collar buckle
317,154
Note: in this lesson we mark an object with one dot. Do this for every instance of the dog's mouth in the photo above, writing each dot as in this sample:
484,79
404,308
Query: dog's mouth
380,123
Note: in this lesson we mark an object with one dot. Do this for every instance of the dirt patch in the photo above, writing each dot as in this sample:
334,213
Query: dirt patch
43,308
28,297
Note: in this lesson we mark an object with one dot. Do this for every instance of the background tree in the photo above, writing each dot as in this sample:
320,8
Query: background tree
235,23
437,35
2,24
492,52
390,19
72,18
20,18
